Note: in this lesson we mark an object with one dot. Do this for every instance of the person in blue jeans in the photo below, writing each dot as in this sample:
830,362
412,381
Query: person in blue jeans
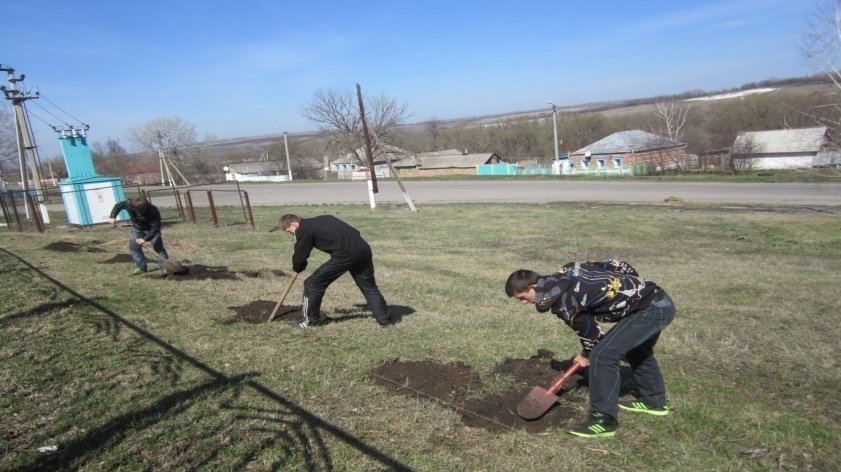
146,228
583,294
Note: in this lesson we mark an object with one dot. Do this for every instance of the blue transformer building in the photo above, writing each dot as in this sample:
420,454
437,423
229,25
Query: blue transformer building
88,197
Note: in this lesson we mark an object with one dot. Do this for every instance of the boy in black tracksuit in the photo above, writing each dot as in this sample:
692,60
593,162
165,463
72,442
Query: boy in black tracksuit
348,253
582,294
146,228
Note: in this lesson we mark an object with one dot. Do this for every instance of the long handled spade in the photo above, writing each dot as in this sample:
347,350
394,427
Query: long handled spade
282,298
171,265
539,400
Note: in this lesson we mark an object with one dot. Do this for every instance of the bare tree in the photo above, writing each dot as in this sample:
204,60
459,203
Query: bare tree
174,136
336,114
742,154
522,138
8,142
822,45
109,158
433,127
673,118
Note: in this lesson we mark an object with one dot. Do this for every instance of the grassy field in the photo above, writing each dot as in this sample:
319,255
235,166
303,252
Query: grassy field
137,373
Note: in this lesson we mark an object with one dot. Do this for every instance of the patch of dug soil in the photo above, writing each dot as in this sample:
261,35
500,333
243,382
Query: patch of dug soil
259,311
453,385
64,246
201,272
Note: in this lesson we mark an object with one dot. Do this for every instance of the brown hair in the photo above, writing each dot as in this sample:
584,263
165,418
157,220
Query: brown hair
139,204
287,220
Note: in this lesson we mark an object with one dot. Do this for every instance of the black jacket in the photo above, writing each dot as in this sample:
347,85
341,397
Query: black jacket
582,294
149,220
329,234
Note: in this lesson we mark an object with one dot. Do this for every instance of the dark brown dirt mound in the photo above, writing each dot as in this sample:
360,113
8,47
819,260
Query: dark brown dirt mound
201,272
258,312
448,382
455,386
64,246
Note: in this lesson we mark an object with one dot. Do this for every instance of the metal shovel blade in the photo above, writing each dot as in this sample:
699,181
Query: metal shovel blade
539,400
536,403
173,266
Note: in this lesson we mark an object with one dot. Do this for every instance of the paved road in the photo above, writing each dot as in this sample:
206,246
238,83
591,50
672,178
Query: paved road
525,191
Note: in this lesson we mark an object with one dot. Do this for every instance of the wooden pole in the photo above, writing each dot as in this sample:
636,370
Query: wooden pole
391,169
370,154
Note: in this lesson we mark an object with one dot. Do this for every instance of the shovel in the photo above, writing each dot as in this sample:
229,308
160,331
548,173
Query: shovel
282,298
170,265
539,400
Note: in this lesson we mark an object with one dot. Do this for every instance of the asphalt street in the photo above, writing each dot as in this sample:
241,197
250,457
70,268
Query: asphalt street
523,191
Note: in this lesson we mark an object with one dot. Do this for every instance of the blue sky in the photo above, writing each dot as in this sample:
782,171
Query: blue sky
245,68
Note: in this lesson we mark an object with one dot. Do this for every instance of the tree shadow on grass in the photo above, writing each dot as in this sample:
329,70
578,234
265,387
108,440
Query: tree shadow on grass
299,433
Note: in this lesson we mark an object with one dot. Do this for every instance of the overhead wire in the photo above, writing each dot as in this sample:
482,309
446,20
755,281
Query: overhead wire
66,113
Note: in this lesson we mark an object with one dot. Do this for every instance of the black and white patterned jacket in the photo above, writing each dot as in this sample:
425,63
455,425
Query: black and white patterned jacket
584,293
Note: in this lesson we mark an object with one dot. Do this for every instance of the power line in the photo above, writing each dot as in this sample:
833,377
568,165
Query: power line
68,114
51,114
39,118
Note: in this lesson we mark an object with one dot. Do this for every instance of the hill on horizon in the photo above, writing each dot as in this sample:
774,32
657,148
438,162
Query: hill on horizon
813,84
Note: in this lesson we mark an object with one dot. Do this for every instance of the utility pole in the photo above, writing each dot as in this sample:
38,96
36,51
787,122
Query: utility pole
288,164
161,164
26,146
368,152
555,124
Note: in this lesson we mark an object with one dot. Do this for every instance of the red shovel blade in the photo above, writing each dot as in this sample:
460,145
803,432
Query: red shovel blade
539,400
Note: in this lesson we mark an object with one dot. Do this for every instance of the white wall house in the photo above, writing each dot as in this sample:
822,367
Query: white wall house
262,171
780,149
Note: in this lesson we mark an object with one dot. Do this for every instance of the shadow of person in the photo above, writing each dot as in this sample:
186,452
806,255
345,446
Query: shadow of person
397,312
361,310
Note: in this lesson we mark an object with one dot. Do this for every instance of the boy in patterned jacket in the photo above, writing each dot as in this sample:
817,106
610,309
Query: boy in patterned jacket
584,294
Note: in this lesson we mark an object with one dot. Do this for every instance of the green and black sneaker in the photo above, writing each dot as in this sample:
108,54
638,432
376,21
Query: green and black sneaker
597,426
138,272
642,407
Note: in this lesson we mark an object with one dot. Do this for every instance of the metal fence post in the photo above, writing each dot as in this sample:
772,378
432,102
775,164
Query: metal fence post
248,204
212,209
190,206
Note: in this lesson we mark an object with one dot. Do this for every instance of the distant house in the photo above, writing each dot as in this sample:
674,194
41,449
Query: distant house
627,149
141,174
260,171
348,165
407,164
274,171
782,149
448,162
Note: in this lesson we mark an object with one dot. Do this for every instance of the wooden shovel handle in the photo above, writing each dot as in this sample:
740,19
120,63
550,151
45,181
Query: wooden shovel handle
283,297
142,245
567,374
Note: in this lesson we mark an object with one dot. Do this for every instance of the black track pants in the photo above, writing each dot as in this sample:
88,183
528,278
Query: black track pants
361,268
